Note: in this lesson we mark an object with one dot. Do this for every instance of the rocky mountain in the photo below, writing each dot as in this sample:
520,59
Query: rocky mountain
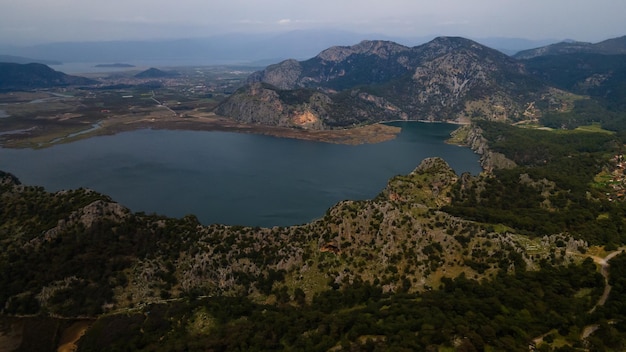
446,79
31,76
612,46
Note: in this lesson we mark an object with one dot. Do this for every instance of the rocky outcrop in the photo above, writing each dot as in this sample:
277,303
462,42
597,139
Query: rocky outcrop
489,160
97,211
255,104
283,75
427,186
9,180
259,103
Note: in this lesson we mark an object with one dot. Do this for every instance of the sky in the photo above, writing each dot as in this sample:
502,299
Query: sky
27,22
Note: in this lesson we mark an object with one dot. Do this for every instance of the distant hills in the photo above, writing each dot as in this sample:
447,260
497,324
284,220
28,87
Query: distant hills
612,46
156,73
31,76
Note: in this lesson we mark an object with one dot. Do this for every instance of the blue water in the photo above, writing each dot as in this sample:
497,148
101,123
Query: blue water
232,178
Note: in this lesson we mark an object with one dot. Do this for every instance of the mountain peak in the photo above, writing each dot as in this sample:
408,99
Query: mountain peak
442,45
452,40
380,48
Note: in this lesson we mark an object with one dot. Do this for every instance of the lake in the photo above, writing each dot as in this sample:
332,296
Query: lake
233,178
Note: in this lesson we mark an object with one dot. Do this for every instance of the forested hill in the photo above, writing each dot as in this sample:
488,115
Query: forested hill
495,261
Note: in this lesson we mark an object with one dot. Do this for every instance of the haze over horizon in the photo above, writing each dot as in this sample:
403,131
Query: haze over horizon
30,22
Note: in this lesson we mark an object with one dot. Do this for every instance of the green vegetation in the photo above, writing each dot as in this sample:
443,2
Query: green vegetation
502,314
586,112
550,189
471,299
436,262
599,76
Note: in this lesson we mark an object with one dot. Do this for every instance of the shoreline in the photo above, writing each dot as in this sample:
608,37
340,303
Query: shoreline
38,137
367,134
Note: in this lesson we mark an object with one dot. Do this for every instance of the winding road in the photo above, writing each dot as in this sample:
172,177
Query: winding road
604,271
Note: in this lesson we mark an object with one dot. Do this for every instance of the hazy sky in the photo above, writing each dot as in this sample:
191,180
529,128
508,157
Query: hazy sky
37,21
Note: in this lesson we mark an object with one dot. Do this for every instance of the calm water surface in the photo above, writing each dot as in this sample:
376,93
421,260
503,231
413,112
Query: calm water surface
232,178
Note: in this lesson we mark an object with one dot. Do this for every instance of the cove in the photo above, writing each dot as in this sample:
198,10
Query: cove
233,178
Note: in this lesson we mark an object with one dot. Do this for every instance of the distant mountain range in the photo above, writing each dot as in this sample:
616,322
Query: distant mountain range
26,60
116,65
31,76
231,48
612,46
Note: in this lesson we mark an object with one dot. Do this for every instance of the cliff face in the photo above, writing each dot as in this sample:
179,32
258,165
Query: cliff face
489,160
263,104
447,79
461,79
283,75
